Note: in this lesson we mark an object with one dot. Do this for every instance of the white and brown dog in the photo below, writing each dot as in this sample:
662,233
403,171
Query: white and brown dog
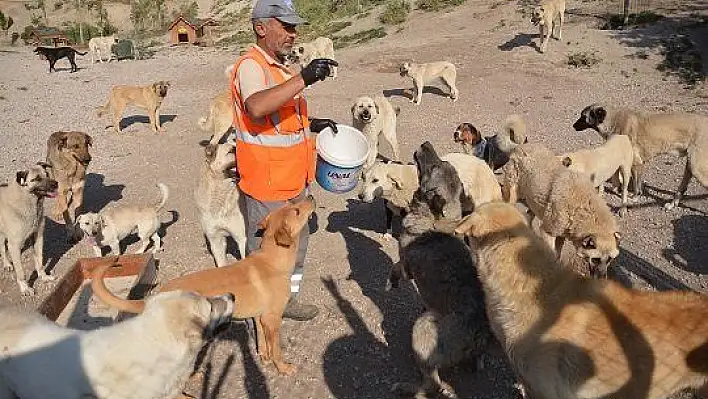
549,16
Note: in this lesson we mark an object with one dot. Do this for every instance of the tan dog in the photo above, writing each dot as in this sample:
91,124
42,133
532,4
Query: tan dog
220,202
612,159
220,118
148,98
568,337
566,203
322,47
149,356
680,134
261,282
22,218
549,15
68,154
376,117
424,74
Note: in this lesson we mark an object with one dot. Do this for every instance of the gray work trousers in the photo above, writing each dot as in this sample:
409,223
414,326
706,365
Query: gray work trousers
256,211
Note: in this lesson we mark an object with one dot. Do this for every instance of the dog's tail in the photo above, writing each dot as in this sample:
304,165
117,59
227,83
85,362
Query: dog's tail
104,294
80,53
165,194
104,108
514,134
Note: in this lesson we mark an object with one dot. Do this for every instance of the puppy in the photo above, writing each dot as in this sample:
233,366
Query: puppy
454,326
439,182
493,150
52,54
375,117
424,74
149,356
614,158
68,154
322,47
148,98
548,16
220,203
261,281
571,337
109,227
679,134
22,218
220,118
566,203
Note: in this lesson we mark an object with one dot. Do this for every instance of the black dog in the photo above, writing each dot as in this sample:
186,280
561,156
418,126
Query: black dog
439,182
55,53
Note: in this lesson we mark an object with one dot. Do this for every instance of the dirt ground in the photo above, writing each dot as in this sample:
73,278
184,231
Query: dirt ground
360,343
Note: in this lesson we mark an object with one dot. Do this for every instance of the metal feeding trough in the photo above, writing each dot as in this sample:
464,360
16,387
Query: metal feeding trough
71,302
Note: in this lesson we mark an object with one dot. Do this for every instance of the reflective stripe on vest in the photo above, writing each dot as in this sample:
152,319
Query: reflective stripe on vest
276,140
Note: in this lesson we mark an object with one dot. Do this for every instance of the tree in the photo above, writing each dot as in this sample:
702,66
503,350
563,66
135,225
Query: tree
6,22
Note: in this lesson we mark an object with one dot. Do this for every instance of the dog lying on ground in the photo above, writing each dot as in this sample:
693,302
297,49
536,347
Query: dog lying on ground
614,158
375,117
52,54
396,183
566,203
149,356
68,154
111,226
549,16
220,118
22,218
680,134
98,45
571,337
261,281
322,47
441,267
487,148
147,97
424,74
220,202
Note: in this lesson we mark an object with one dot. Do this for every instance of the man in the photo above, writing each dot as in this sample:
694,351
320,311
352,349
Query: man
275,152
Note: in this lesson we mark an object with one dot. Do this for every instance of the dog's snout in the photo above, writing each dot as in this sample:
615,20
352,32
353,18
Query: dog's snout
457,136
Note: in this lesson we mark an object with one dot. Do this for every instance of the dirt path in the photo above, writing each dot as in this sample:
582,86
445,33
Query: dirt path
359,345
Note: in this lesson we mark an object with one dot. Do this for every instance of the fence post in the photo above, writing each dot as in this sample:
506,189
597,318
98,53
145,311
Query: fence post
626,13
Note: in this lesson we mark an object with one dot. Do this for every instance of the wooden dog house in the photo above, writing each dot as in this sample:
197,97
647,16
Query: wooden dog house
184,30
45,36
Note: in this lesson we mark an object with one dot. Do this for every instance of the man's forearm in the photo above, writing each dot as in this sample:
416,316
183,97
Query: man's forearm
270,100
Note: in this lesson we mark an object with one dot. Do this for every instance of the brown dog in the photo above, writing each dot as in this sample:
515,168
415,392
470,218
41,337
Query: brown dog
146,97
260,282
570,337
68,154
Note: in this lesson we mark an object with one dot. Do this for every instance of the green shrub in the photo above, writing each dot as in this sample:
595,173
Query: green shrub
359,37
396,12
436,5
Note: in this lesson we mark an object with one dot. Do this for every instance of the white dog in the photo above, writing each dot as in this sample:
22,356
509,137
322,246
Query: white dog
373,117
322,47
99,45
111,226
424,74
149,356
219,201
545,16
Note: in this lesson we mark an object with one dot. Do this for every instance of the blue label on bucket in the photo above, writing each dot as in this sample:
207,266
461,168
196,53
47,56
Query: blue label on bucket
335,179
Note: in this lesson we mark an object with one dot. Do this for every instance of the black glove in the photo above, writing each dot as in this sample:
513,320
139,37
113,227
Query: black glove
317,69
318,125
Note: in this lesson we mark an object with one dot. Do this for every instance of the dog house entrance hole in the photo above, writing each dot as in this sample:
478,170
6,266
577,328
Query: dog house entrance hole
183,37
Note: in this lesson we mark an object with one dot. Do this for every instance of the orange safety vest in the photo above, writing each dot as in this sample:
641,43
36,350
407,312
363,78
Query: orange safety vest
276,156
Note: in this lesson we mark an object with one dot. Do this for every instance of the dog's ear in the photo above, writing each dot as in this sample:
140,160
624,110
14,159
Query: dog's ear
263,224
598,115
352,108
89,140
589,242
567,161
283,236
21,177
44,165
204,143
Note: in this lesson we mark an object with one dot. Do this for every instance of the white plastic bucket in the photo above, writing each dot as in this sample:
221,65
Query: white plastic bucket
340,157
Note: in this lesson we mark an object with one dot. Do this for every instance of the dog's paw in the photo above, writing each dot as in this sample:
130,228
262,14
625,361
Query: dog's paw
670,205
387,236
25,289
286,368
46,277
